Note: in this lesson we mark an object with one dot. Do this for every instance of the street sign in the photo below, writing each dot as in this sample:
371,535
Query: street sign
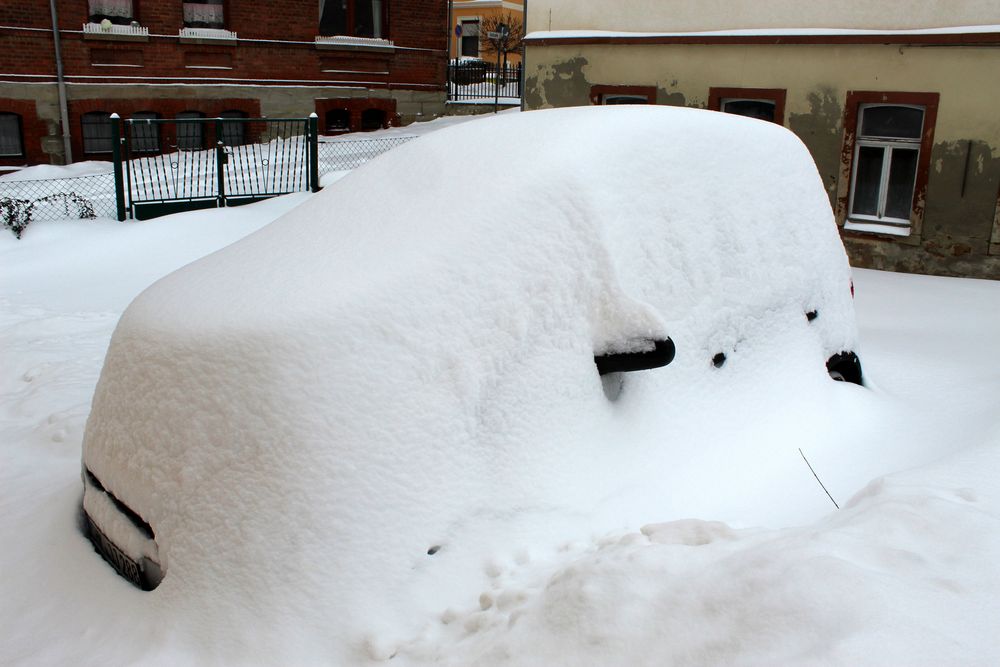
493,35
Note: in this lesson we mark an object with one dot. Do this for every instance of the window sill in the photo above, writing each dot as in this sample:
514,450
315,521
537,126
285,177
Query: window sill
345,43
115,33
216,36
876,228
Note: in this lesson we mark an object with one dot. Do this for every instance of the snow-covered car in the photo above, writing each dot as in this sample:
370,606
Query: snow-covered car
346,416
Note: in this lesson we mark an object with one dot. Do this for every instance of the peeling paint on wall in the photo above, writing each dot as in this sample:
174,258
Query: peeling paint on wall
560,84
820,130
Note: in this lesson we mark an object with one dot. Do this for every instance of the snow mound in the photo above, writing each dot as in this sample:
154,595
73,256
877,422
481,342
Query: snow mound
351,416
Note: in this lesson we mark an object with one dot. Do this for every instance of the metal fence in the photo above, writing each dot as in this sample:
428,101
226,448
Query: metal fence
188,174
22,202
481,81
210,162
346,154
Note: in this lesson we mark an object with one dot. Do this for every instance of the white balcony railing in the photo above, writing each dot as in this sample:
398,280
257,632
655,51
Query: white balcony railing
344,40
109,28
207,33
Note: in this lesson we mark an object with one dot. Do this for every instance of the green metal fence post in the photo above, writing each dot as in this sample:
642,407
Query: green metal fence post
314,152
116,156
220,162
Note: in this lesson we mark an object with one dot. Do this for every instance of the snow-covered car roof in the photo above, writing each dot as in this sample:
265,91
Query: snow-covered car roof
346,416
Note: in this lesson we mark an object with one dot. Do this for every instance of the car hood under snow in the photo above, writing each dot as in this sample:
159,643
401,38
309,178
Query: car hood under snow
352,415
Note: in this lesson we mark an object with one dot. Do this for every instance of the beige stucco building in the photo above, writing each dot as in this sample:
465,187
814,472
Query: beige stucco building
466,18
899,102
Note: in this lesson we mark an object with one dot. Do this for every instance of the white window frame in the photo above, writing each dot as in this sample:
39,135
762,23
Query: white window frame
476,21
881,222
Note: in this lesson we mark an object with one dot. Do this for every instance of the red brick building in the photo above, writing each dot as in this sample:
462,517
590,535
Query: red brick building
359,64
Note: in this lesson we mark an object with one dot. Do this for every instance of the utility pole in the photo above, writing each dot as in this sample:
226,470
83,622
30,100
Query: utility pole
61,84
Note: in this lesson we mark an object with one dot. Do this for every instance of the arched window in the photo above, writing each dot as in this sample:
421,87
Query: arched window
233,131
372,119
97,135
11,139
190,131
355,18
145,136
338,121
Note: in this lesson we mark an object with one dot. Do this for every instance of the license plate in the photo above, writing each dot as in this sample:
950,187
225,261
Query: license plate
123,565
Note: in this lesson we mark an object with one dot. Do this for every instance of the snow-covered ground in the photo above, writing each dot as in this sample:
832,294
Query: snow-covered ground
903,573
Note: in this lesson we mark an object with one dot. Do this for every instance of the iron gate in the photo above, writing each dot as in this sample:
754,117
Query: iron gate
165,166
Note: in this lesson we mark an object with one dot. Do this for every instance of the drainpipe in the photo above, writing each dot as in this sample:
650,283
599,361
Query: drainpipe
63,111
524,50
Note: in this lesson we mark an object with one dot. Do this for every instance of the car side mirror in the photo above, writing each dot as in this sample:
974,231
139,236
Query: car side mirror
660,355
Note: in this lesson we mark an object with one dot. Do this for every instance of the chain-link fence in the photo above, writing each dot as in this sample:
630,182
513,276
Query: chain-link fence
22,202
346,154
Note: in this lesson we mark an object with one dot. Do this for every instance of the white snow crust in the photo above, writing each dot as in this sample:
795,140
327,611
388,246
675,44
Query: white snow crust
304,415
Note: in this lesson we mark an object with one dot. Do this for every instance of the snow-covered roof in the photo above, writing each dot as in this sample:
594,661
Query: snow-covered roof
991,31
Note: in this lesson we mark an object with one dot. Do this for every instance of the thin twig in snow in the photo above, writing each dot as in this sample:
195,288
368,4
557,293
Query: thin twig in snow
818,479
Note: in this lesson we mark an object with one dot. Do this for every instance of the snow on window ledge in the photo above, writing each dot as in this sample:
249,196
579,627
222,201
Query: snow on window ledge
875,228
354,43
108,30
214,34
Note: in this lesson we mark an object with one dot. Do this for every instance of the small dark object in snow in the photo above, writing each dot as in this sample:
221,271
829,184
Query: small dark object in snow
719,359
433,550
812,315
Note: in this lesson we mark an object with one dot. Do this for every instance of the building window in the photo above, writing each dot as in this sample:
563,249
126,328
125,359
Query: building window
372,119
145,136
355,18
470,38
622,95
233,131
11,138
116,11
97,133
338,121
204,14
190,131
888,139
624,99
761,103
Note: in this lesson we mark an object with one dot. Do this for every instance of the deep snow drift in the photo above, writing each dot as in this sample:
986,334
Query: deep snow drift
904,574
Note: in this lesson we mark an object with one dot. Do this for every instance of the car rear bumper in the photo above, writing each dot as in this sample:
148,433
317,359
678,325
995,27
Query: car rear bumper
122,537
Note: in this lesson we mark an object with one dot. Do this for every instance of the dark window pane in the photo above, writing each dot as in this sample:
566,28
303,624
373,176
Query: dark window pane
367,18
625,99
145,136
372,119
190,135
333,17
10,135
233,132
470,39
761,109
892,122
867,180
97,136
902,177
338,120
